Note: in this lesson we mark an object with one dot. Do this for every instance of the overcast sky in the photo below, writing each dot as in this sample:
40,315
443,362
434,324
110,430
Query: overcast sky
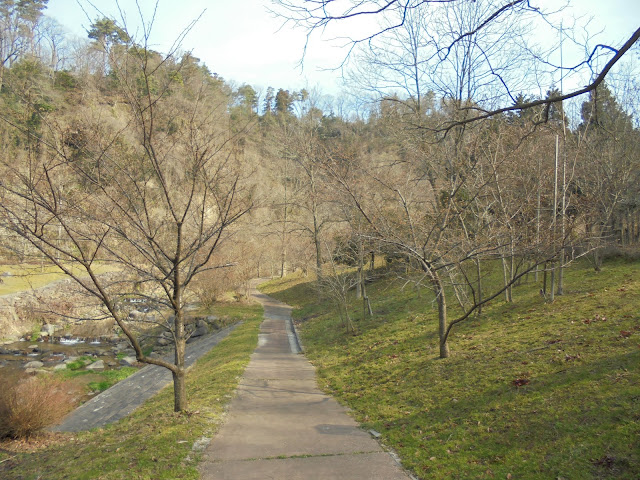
242,42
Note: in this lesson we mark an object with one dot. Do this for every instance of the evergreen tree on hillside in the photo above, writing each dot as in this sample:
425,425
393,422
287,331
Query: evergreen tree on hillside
268,102
602,111
18,21
284,102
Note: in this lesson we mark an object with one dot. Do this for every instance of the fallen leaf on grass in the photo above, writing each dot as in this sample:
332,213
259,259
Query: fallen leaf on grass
625,334
519,382
605,461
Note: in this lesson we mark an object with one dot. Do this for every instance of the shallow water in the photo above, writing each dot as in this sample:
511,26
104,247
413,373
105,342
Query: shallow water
52,352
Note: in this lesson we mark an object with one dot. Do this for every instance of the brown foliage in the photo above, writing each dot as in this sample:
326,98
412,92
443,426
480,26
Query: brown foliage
29,404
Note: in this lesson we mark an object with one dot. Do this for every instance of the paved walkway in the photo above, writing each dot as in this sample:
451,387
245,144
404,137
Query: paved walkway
280,426
124,397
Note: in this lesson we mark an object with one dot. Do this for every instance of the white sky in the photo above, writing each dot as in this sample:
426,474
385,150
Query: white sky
242,42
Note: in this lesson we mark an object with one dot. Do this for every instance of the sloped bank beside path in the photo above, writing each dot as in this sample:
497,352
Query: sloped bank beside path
124,397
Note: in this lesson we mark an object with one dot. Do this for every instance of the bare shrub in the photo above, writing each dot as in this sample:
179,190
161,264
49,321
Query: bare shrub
220,285
29,404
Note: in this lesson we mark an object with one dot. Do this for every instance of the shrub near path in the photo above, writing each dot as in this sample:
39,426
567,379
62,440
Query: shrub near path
532,390
153,442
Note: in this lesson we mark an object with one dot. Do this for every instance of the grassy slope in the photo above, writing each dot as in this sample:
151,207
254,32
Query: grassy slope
463,417
153,442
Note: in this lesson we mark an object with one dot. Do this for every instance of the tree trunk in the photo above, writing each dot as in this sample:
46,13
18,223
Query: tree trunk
442,314
560,290
316,241
442,324
479,273
179,384
505,279
552,288
597,260
179,390
360,284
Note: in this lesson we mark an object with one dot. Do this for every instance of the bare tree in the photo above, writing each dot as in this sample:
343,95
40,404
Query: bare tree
491,20
150,186
303,152
437,207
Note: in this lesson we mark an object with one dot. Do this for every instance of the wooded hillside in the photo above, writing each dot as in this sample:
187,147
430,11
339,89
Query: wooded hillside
188,185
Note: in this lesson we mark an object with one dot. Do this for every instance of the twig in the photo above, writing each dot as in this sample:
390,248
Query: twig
7,459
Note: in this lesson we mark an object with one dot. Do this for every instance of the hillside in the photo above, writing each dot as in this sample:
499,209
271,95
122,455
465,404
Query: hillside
531,390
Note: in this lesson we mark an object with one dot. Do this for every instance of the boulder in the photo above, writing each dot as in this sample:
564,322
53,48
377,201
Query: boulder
48,329
201,331
128,361
163,342
33,365
201,323
60,366
99,365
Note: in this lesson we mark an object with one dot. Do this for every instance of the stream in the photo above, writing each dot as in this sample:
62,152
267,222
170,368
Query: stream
52,351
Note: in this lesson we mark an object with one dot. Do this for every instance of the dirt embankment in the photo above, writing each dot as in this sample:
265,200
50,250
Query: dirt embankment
55,303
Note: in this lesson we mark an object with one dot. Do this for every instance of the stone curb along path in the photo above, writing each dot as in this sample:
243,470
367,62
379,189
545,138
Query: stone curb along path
281,426
124,397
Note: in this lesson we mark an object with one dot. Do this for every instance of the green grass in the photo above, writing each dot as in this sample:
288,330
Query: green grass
79,363
108,377
576,415
153,442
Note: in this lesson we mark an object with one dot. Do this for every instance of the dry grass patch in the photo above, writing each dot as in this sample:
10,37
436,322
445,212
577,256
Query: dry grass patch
31,403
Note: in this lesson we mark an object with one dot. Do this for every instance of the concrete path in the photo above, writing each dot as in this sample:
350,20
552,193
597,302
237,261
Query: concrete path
124,397
280,426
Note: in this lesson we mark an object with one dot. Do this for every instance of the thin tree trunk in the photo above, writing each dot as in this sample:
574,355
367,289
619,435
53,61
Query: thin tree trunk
442,314
505,278
442,324
479,272
552,292
538,211
512,268
360,284
552,288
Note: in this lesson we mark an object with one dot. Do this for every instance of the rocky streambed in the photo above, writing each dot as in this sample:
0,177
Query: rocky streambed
51,352
54,353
